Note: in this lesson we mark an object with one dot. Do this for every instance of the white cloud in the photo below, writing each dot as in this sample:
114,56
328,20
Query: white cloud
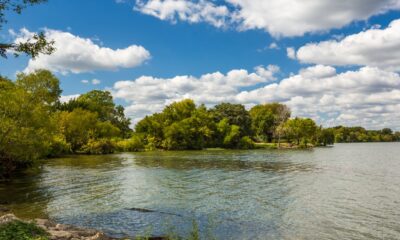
66,98
373,47
369,96
77,55
330,98
93,81
291,53
96,81
273,45
278,17
193,12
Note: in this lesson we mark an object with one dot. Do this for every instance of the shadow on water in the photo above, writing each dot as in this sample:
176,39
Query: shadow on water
24,196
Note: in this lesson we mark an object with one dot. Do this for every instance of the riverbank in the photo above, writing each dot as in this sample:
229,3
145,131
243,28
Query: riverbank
12,227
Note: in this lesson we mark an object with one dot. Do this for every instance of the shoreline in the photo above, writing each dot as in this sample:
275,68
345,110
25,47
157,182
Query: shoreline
58,231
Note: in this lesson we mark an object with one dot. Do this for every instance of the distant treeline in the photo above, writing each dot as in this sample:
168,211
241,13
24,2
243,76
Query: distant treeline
360,134
34,124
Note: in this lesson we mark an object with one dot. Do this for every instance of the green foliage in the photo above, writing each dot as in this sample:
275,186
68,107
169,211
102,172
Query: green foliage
181,125
246,143
37,44
133,144
98,146
302,130
77,126
34,125
59,146
236,115
22,231
266,118
42,85
326,137
25,127
359,134
232,137
101,102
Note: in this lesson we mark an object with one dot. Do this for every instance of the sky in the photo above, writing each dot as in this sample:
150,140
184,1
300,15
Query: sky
334,61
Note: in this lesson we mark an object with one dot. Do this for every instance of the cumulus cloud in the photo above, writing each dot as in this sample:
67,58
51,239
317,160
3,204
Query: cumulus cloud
77,55
368,96
291,52
278,17
373,47
193,12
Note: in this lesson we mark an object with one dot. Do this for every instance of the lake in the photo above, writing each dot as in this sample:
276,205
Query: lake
349,191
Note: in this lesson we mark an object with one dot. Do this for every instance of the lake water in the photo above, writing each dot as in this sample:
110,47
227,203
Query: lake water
349,191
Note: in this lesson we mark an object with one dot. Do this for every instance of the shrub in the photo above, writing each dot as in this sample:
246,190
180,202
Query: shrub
246,143
98,146
22,231
59,146
132,144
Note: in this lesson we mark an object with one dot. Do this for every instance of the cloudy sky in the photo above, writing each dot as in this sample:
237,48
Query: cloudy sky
335,61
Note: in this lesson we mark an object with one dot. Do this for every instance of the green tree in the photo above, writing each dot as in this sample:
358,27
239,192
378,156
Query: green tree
303,130
43,86
266,118
102,103
78,127
25,128
262,122
236,115
326,136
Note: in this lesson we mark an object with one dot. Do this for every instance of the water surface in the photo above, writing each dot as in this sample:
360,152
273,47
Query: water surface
350,191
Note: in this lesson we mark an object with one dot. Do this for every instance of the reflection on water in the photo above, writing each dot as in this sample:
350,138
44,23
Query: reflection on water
351,191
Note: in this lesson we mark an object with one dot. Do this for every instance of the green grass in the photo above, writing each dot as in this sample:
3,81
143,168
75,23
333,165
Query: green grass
22,231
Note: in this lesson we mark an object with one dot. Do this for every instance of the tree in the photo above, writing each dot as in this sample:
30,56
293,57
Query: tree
262,122
266,118
102,103
387,131
33,46
43,86
326,136
77,126
236,115
301,129
25,128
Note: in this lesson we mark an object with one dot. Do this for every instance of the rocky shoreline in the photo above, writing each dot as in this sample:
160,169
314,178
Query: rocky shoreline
59,231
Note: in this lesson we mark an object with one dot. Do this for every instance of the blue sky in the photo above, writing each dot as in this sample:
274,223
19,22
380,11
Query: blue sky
183,44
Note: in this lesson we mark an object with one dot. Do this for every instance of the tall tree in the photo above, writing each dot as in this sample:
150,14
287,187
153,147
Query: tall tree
236,115
43,86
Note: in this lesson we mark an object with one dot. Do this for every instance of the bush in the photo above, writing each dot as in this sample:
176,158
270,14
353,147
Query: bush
246,143
22,231
59,146
98,146
133,144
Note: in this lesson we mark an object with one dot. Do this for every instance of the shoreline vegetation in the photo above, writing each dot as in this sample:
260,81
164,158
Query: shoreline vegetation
12,228
35,124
